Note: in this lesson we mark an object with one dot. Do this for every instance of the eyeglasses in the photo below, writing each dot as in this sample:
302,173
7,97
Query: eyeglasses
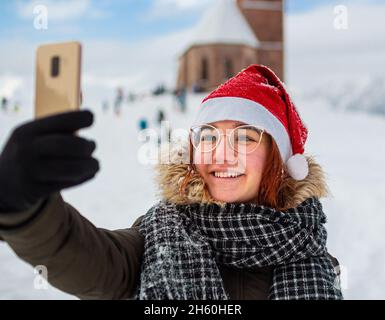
242,139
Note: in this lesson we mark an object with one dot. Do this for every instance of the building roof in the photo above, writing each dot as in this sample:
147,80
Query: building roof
223,23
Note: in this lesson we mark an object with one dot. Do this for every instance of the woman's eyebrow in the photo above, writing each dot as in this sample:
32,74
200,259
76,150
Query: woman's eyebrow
234,125
238,124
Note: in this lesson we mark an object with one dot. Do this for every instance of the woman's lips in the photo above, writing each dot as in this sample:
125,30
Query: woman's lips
221,177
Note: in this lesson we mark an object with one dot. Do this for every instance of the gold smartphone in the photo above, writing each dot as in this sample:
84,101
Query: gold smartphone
58,72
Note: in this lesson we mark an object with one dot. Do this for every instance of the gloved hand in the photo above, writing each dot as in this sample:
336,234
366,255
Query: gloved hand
44,156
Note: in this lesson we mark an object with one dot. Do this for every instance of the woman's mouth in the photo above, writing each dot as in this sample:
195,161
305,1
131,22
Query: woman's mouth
226,175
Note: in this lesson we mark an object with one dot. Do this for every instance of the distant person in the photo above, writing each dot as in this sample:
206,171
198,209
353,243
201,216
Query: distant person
131,97
118,101
160,117
181,98
196,88
159,90
143,124
4,104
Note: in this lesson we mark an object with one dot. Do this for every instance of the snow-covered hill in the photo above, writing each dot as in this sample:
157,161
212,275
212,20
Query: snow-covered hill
350,147
364,94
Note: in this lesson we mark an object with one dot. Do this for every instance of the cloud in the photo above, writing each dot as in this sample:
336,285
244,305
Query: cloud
161,9
137,66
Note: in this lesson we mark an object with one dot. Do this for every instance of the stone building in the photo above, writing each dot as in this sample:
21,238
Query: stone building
232,35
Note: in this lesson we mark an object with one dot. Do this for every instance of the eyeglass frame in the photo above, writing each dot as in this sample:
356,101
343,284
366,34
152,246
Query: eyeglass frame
228,136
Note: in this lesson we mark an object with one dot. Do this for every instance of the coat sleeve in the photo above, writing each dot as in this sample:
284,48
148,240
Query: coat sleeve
81,259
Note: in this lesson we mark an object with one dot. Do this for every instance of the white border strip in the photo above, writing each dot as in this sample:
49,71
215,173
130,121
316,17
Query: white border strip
249,112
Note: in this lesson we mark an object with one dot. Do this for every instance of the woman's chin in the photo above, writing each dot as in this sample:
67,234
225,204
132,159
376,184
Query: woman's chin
229,189
226,197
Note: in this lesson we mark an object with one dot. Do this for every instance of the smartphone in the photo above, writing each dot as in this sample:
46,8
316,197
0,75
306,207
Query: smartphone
58,72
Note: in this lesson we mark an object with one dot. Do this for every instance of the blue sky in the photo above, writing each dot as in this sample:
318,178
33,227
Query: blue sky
128,20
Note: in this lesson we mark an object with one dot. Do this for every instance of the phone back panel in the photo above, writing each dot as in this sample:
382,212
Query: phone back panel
58,69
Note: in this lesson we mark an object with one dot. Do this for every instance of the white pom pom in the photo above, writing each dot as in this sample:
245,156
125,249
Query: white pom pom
297,167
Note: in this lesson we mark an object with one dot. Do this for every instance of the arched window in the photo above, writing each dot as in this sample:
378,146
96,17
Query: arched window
229,69
204,69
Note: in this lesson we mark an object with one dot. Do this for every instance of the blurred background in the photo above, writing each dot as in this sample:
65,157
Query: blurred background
145,61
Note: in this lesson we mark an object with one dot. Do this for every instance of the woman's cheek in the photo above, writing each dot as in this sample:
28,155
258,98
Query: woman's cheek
254,166
202,158
200,168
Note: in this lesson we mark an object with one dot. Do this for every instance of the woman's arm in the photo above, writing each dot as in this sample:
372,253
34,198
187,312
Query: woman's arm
81,259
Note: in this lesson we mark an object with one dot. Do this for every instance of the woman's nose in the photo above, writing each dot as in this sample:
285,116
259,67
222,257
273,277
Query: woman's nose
224,153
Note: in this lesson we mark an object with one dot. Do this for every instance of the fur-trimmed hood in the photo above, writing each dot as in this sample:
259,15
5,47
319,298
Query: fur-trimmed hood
174,167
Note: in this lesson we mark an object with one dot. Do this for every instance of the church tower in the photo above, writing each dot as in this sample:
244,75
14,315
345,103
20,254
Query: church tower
266,18
231,35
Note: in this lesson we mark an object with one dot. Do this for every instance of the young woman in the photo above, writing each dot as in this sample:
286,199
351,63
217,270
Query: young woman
240,219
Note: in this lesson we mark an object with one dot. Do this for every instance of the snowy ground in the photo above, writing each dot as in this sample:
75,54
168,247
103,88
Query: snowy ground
350,146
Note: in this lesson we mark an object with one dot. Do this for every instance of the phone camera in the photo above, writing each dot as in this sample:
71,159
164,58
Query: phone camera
55,66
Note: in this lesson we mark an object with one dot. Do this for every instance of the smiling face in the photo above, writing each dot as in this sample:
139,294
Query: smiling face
232,176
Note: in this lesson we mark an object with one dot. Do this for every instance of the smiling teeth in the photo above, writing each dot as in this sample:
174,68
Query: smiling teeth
227,174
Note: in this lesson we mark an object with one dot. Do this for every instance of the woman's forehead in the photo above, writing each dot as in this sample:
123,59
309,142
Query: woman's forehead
227,123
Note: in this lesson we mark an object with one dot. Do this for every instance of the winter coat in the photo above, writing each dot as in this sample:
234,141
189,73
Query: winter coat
96,263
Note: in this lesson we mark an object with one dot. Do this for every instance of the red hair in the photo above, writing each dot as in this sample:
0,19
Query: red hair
271,189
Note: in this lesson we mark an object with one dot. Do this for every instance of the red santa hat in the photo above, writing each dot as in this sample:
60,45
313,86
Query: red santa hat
257,96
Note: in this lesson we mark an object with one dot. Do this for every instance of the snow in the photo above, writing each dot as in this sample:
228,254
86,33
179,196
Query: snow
349,145
224,23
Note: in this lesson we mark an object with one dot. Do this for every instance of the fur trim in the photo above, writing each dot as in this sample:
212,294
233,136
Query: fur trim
175,177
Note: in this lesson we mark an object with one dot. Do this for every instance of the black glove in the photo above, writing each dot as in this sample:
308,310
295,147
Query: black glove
44,156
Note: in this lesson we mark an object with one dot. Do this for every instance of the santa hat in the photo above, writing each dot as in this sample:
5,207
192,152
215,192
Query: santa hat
256,96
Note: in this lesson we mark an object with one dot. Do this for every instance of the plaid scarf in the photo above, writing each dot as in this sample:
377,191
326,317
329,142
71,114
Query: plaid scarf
184,244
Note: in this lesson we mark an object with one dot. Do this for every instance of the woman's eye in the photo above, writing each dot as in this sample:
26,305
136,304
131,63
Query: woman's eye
208,138
245,139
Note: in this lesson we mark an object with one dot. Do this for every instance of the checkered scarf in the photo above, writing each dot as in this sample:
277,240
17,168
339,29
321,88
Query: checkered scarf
184,244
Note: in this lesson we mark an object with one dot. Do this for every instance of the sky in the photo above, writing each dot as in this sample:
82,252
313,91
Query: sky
136,43
128,20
